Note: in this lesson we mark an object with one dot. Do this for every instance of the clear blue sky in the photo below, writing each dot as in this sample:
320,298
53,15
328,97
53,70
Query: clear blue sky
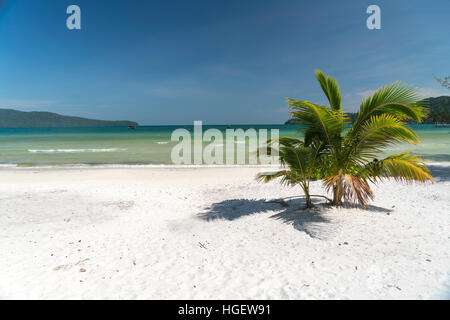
220,61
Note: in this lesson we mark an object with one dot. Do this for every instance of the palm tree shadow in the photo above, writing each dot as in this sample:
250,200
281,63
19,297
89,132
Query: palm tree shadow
371,207
234,209
310,221
377,209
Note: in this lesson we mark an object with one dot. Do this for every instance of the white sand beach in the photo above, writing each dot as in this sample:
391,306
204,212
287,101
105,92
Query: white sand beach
210,233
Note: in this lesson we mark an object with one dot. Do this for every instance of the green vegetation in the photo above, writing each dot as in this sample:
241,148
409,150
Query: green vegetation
16,119
303,163
444,82
347,162
439,111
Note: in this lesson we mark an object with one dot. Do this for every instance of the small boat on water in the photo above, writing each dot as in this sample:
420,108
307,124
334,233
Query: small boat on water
131,127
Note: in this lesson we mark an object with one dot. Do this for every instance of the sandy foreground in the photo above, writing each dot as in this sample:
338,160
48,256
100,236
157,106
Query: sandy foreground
210,233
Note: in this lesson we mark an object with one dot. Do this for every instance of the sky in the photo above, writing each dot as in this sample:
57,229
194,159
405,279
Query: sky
172,62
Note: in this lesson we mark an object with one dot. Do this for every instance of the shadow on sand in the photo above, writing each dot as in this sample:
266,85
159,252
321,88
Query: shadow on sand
310,221
294,213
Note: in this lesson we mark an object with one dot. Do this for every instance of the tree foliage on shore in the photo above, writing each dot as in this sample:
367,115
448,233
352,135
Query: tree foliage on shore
19,119
445,82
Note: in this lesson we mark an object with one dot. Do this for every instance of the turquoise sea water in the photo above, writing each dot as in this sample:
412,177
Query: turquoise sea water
149,144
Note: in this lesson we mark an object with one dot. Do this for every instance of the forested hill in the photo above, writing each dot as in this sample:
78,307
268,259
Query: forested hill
439,110
15,119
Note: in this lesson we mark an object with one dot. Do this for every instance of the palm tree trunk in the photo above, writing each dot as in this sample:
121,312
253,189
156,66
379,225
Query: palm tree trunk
309,203
337,196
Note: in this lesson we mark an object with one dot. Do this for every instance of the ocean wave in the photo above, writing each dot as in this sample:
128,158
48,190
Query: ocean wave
75,150
157,165
441,163
125,166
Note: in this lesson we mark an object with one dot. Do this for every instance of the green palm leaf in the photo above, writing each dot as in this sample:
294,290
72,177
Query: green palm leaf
375,134
319,122
404,167
302,163
395,99
407,167
269,176
331,89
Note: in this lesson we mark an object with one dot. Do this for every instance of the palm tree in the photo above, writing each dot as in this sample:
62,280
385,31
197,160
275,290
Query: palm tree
349,157
301,164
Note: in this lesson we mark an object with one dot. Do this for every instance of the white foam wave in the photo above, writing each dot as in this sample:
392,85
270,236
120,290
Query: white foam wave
130,166
75,150
154,165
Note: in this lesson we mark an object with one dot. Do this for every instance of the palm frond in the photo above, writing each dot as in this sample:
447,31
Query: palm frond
269,176
298,159
396,99
318,122
375,134
404,167
331,89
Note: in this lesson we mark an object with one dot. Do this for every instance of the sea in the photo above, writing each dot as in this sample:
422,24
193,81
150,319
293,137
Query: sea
152,145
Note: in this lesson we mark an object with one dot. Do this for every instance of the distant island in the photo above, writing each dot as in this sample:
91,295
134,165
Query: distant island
439,111
16,119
